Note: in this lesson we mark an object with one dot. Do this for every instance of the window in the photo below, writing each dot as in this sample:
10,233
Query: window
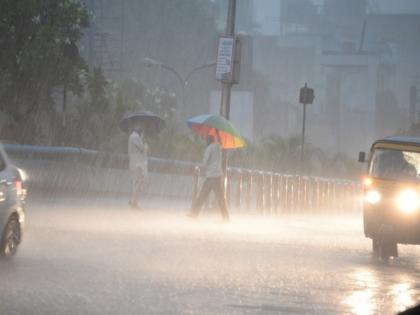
395,165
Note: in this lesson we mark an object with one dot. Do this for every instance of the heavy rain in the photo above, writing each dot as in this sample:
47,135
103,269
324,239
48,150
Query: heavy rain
209,156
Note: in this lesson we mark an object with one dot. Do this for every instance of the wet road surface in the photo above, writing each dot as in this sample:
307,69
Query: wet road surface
102,258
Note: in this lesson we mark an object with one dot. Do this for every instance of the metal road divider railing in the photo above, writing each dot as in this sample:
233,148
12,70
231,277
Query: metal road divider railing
266,192
275,193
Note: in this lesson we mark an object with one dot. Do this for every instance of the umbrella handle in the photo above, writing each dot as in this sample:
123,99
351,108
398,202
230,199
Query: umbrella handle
218,137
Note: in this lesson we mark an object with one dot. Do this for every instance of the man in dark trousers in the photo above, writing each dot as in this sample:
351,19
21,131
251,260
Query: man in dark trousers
212,162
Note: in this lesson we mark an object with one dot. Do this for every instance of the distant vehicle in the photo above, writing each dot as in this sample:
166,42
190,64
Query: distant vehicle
391,211
12,200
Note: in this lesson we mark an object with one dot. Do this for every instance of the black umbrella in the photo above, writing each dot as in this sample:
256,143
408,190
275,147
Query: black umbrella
150,122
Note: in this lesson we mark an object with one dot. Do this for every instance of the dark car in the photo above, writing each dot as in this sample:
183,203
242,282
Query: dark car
12,199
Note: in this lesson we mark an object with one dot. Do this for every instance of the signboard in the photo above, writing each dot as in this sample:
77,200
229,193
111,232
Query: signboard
225,59
306,95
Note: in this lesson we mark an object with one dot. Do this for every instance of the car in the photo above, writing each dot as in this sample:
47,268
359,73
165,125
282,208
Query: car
391,208
12,204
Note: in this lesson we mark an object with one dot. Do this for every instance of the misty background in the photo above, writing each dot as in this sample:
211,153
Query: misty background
361,57
70,70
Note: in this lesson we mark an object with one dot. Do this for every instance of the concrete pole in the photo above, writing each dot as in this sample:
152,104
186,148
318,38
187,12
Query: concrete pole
227,86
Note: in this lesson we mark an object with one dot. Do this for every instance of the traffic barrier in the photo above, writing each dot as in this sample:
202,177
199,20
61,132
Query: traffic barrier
80,170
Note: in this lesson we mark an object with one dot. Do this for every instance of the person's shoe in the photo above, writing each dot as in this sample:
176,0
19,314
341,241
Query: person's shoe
134,205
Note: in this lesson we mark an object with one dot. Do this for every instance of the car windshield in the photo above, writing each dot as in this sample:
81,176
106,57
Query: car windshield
395,165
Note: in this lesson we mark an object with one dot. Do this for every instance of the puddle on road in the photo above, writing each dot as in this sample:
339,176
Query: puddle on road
381,288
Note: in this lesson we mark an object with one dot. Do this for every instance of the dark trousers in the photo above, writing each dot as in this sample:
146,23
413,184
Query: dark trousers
211,184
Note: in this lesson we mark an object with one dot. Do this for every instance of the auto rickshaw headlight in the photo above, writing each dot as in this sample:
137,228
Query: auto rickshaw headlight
408,201
368,182
373,196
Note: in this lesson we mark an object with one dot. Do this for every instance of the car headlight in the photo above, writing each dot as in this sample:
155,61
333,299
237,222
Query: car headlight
373,196
408,201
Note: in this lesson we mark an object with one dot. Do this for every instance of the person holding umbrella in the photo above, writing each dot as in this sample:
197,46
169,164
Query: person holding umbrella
137,152
212,162
137,124
219,134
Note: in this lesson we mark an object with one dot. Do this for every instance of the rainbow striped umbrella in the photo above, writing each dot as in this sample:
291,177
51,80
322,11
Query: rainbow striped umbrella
217,126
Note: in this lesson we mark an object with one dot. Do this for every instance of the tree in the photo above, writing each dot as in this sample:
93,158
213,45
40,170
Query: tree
38,53
276,154
92,119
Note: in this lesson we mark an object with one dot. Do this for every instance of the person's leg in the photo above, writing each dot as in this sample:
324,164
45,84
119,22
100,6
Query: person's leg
133,178
217,186
137,186
202,196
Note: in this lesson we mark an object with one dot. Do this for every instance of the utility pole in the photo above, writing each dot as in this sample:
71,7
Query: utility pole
302,149
227,86
227,83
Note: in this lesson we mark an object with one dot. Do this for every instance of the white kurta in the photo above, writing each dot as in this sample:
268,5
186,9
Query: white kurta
137,151
212,161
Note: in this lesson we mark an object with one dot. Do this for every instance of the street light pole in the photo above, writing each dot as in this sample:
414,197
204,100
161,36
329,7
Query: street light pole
149,62
207,65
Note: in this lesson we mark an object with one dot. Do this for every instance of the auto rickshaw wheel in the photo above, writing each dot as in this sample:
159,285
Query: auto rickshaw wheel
376,245
387,245
388,250
367,223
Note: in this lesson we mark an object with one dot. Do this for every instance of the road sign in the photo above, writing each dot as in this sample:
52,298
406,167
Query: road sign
225,59
306,95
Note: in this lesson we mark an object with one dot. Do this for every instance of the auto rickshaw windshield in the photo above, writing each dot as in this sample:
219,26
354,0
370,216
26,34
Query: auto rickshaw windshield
395,165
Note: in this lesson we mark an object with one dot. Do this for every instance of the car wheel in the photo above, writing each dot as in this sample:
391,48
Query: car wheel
11,238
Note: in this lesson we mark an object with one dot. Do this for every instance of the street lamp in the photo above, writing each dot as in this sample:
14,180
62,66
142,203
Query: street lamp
207,65
149,62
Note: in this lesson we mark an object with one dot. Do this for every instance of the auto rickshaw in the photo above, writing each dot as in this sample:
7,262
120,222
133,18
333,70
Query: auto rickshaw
391,207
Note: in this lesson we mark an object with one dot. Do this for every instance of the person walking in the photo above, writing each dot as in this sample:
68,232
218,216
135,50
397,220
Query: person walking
137,151
212,162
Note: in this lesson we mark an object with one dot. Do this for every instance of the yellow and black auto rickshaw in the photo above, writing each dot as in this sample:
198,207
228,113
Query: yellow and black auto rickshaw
391,210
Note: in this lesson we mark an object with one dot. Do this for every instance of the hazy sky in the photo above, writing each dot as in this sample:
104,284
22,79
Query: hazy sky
399,6
267,11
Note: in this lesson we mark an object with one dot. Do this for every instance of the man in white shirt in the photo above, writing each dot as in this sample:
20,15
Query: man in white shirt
212,162
137,152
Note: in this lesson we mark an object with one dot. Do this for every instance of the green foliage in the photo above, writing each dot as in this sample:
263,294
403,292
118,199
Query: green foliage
94,124
277,154
172,144
38,53
93,119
